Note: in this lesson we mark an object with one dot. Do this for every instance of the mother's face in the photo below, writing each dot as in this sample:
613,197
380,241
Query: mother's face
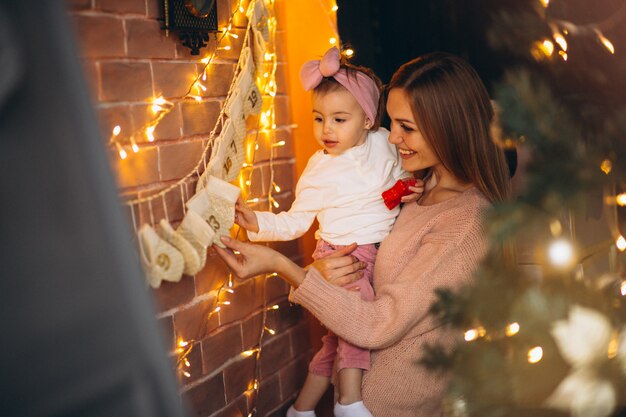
415,152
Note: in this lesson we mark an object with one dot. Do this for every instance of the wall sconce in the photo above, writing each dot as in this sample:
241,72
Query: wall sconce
191,20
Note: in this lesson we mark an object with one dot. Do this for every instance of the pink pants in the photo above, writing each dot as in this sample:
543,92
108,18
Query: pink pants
333,347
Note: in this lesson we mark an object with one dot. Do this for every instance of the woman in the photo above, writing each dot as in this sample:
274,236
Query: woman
440,117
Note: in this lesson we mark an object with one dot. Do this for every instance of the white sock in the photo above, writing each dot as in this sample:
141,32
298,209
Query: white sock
356,409
292,412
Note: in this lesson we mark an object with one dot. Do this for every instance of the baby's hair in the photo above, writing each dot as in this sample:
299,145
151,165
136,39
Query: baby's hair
329,84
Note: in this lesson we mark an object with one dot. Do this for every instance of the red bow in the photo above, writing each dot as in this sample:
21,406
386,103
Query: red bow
401,188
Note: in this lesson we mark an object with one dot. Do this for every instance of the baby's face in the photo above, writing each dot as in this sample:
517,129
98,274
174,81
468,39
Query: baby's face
339,122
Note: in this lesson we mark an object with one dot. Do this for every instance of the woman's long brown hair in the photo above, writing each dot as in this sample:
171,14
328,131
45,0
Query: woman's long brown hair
452,109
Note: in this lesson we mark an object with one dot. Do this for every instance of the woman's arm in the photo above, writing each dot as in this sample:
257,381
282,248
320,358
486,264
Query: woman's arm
246,260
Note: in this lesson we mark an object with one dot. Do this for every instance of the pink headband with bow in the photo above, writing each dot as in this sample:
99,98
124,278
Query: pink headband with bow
363,88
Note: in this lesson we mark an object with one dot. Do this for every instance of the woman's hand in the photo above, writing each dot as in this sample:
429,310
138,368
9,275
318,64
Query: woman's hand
247,260
340,268
418,190
245,217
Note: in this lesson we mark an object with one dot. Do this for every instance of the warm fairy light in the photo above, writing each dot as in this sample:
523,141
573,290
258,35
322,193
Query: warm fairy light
607,43
274,202
332,41
561,253
621,243
241,9
197,98
226,303
187,374
620,199
201,86
182,343
253,200
560,40
606,166
563,55
217,309
135,147
150,133
187,364
555,228
548,47
116,130
249,353
277,144
228,290
121,151
471,334
622,288
545,3
535,354
206,60
224,48
268,56
348,52
276,187
248,183
274,307
270,331
157,104
273,274
512,329
334,8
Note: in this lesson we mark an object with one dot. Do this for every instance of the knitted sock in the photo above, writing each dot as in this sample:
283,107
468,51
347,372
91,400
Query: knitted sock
356,409
292,412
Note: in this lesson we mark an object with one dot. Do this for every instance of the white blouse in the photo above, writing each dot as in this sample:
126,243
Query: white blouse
344,192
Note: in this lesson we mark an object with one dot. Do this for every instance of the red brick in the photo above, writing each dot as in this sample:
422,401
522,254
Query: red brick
155,9
283,112
126,81
292,377
243,302
238,408
115,115
221,346
239,377
199,118
137,169
282,411
223,12
167,329
92,77
275,288
146,39
168,128
286,151
173,79
99,36
286,317
207,397
213,276
122,6
275,355
268,397
173,294
219,78
170,201
194,322
281,79
179,159
300,339
78,4
252,327
195,370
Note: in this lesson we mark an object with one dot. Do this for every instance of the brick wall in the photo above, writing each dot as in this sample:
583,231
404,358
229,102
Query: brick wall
128,60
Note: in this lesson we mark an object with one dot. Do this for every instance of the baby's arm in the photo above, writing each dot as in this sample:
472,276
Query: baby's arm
245,217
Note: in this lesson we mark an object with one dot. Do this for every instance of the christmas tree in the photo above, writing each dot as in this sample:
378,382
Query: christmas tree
546,334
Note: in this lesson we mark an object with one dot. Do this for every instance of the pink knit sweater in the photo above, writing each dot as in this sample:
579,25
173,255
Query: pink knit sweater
429,247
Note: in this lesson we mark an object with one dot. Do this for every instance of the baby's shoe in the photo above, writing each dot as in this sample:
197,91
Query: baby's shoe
193,263
160,260
292,412
356,409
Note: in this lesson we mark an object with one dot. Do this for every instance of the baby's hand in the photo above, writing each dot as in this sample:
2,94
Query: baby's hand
245,217
418,190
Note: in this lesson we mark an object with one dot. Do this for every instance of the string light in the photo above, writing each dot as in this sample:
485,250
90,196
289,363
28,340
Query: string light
535,354
561,253
621,243
623,288
545,3
278,144
348,52
150,133
334,8
606,166
270,331
332,41
560,40
607,43
512,329
620,199
276,187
